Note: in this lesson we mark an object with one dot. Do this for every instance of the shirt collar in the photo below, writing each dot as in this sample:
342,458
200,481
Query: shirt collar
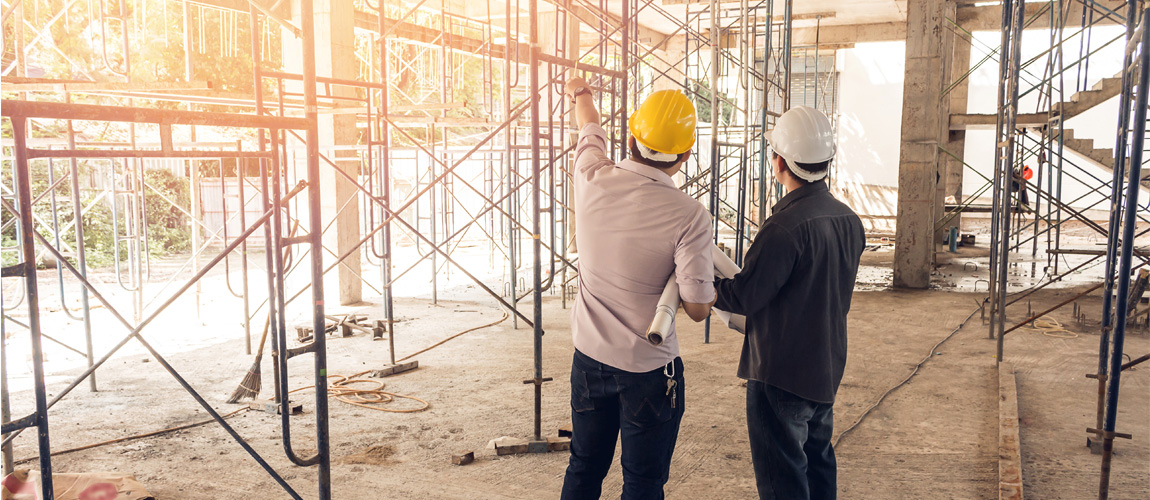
646,171
798,194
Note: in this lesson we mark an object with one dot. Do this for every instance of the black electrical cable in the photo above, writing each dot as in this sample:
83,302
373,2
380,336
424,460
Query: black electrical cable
904,381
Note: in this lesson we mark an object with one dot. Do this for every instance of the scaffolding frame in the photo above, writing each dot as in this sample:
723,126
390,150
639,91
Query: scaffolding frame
1015,225
517,152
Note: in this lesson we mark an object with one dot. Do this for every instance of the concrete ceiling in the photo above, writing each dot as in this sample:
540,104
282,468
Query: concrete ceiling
807,13
839,22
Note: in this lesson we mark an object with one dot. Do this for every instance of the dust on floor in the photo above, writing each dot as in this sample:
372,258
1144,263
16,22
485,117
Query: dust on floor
934,438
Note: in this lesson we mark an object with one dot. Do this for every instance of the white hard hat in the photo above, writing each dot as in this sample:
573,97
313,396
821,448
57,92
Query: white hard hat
803,135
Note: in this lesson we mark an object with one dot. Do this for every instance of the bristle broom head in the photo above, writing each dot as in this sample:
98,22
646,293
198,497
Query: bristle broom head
249,388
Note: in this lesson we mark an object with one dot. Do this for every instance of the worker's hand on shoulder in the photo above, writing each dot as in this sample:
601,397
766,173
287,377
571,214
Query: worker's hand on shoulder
574,84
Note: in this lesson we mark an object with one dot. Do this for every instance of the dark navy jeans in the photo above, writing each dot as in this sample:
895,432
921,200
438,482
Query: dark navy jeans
607,402
790,444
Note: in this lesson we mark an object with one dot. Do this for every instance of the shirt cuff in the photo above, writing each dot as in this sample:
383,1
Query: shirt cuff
697,292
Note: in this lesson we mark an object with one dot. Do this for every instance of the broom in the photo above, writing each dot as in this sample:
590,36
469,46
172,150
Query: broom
249,387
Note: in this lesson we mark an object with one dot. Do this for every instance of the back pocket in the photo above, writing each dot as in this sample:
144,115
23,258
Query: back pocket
580,393
645,399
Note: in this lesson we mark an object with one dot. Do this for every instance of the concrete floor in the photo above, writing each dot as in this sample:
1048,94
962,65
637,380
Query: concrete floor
934,438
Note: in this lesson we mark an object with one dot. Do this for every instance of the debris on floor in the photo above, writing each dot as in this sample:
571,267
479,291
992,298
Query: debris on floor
379,454
24,484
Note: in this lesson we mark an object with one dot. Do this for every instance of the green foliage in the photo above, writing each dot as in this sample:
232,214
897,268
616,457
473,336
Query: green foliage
167,227
700,96
220,43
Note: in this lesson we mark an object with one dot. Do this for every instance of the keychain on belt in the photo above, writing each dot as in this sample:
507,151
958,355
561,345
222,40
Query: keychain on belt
669,371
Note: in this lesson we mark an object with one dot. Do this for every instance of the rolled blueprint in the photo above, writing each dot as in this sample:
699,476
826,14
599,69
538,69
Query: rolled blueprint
664,313
669,302
726,268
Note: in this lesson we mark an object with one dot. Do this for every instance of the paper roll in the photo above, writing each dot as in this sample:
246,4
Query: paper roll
726,268
669,302
664,313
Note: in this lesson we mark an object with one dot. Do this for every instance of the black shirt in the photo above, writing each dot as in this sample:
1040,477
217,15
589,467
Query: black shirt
795,289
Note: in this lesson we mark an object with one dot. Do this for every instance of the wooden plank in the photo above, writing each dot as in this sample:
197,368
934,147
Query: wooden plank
395,369
1009,447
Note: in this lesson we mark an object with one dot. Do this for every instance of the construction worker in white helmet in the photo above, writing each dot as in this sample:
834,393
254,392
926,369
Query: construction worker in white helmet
795,289
635,229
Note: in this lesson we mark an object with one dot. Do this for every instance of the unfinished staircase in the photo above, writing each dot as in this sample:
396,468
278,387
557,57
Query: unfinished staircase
1080,102
1101,92
1099,157
1104,90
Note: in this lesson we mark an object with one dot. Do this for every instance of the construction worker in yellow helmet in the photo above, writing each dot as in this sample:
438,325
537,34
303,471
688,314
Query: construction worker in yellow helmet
635,231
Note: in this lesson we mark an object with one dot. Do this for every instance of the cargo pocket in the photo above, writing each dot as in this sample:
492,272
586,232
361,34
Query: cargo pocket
645,400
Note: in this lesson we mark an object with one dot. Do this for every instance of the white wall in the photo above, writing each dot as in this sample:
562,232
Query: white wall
1098,123
870,115
869,125
870,112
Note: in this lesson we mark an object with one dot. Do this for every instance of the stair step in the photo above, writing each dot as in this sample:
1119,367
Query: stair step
1077,97
1103,156
1100,92
1115,81
1079,144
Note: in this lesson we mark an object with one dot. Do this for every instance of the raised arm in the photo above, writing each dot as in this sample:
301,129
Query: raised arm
580,92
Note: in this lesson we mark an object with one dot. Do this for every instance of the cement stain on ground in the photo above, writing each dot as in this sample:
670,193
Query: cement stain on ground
379,454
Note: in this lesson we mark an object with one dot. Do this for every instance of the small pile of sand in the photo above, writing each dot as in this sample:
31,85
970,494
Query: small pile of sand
379,454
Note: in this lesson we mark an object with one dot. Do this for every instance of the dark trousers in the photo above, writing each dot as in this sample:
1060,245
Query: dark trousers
607,402
790,444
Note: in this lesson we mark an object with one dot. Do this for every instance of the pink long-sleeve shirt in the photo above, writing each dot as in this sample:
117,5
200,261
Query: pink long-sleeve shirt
634,228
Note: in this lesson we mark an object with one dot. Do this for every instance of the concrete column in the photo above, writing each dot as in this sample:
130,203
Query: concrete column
956,141
673,80
923,116
335,51
943,136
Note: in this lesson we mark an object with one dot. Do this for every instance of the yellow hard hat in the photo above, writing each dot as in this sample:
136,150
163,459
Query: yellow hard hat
665,122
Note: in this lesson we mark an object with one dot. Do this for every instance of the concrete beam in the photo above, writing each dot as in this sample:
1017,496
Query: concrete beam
971,18
968,121
851,33
989,17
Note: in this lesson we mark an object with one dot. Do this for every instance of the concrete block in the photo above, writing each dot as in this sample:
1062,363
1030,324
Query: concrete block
463,458
395,369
